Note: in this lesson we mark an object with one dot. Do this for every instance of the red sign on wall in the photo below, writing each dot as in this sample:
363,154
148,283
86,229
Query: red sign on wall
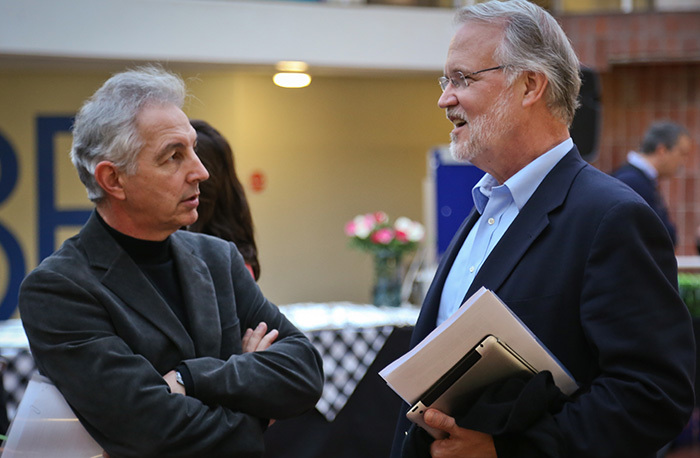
257,181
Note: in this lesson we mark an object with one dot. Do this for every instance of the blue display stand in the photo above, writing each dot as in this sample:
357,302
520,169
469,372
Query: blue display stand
453,197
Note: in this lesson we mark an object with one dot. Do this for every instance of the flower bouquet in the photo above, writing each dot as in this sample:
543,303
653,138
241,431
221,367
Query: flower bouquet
374,233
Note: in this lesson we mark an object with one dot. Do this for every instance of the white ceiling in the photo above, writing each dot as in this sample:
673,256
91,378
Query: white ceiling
251,35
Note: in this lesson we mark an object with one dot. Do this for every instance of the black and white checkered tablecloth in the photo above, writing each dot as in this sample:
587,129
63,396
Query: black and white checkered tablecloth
347,353
348,336
14,349
19,370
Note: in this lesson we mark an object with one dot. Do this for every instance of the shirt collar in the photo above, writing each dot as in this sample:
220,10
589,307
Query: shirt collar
639,161
525,182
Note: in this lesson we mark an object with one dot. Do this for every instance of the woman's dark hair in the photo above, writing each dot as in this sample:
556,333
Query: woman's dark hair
223,207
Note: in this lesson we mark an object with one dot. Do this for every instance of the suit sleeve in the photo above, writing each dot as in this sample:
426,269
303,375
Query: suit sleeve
640,331
283,381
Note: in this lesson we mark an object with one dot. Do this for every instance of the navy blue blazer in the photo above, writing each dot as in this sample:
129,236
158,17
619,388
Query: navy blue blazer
590,269
636,179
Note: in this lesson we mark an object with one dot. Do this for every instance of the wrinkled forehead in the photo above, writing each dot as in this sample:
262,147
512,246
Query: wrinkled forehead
473,46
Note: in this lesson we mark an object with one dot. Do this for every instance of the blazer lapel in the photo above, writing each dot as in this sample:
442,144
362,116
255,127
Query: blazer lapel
529,224
200,299
123,277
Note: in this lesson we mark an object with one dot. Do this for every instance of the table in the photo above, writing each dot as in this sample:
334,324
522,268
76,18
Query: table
688,263
349,337
364,424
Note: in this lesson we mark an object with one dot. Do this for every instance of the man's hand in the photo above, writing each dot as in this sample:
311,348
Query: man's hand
171,379
258,340
461,443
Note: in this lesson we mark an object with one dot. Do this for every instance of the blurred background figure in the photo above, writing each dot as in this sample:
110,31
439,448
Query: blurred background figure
223,207
664,148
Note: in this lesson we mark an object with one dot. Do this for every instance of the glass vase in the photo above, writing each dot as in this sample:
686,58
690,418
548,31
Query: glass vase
388,277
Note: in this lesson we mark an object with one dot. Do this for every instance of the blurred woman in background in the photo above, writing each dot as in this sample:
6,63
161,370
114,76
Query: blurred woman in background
223,207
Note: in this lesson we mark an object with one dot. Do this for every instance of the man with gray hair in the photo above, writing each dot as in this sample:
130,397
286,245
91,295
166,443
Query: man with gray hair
580,258
665,147
159,339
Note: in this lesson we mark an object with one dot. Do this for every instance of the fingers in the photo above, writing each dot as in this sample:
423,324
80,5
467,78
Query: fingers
436,419
461,442
252,337
246,339
269,338
258,339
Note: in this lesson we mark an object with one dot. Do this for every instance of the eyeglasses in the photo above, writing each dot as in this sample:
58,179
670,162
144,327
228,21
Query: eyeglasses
459,80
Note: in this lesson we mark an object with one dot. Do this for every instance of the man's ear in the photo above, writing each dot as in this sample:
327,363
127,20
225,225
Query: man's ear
535,85
108,177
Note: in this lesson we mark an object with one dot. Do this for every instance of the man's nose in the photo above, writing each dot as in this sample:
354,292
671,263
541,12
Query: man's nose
448,98
199,172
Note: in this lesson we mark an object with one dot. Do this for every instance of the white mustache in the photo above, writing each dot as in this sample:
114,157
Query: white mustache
453,113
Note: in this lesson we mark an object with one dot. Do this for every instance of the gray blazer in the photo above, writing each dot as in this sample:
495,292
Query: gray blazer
103,334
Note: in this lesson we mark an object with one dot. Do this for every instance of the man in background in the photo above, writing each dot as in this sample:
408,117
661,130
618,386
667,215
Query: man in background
580,258
159,339
664,149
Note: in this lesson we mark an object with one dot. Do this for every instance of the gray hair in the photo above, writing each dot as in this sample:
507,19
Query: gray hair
533,41
666,133
105,127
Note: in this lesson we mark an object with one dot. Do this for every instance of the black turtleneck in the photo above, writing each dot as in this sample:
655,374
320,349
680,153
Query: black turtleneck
155,259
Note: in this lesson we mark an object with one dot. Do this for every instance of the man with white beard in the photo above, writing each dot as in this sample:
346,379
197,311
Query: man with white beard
579,258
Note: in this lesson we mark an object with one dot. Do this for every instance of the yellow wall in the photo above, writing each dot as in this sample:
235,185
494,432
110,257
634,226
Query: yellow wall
343,146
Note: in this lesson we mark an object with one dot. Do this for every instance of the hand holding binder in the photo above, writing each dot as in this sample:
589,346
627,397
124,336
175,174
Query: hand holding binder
483,342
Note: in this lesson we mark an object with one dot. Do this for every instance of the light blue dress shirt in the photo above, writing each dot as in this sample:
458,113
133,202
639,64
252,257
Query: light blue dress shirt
498,206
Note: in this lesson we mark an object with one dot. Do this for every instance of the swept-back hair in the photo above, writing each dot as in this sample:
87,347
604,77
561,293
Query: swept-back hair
533,41
105,127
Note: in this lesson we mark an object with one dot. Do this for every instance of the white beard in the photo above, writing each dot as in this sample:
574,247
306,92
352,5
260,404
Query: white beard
484,129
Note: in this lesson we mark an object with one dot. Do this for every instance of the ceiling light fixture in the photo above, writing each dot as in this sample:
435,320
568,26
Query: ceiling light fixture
291,74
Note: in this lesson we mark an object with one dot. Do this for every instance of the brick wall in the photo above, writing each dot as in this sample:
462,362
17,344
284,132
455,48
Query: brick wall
649,68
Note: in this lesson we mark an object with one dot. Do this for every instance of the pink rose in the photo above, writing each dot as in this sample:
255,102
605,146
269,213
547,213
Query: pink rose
380,217
383,236
401,236
350,228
